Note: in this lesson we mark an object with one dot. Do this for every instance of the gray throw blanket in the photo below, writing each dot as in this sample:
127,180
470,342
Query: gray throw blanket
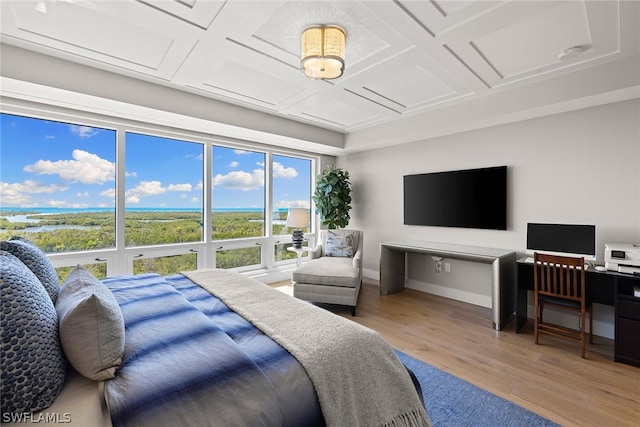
358,378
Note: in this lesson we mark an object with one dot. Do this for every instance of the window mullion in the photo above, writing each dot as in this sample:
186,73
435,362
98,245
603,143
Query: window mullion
121,264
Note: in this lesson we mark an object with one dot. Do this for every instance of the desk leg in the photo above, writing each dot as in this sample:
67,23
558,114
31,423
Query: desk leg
298,258
392,271
521,308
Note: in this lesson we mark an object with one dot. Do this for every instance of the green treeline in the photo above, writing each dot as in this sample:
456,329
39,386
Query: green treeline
96,230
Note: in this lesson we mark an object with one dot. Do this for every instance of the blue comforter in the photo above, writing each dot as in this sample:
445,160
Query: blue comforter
190,360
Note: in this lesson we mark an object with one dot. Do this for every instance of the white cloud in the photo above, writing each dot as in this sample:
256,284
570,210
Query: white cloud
293,204
17,193
30,187
83,131
56,203
63,204
87,168
240,180
110,193
79,205
144,189
279,171
83,194
234,164
179,187
195,199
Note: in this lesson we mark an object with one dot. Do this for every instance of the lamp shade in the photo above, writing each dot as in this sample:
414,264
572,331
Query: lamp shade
322,52
298,218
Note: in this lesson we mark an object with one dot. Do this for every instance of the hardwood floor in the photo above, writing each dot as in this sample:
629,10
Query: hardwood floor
549,379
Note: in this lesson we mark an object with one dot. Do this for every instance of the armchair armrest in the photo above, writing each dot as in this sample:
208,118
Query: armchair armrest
357,259
315,252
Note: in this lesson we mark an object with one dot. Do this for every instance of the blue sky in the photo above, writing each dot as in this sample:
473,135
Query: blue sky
52,164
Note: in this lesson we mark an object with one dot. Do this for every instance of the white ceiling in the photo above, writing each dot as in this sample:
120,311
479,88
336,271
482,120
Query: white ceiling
406,60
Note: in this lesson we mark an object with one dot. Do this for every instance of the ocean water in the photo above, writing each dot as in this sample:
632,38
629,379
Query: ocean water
49,210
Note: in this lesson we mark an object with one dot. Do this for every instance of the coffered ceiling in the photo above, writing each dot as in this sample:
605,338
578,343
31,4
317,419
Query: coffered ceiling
404,58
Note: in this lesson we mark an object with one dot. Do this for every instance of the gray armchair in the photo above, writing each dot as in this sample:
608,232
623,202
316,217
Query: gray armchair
333,274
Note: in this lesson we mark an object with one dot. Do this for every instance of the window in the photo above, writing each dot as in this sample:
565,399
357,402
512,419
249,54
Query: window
57,186
291,189
99,270
238,200
164,190
239,257
165,265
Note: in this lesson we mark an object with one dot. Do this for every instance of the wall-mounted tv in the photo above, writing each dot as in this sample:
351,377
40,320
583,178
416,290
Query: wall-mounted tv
471,198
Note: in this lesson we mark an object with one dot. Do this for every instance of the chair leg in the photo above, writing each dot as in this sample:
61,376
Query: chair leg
353,311
582,334
537,320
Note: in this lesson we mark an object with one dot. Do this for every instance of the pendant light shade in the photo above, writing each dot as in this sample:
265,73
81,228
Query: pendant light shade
322,53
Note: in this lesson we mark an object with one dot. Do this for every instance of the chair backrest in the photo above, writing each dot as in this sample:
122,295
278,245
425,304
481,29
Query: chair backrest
559,276
357,239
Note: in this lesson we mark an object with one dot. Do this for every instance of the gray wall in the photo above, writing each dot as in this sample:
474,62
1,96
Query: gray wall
576,167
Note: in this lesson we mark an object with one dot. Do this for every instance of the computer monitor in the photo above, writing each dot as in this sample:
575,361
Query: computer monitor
578,240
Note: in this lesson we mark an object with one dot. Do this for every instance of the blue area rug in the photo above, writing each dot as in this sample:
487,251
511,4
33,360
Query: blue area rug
451,401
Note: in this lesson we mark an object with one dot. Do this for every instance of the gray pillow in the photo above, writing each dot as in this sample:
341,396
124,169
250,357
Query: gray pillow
32,363
37,261
91,325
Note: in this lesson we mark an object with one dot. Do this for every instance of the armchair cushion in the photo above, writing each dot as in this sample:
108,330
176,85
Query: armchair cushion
329,271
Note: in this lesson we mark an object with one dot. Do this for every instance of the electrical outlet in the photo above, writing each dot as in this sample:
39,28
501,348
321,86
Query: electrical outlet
447,267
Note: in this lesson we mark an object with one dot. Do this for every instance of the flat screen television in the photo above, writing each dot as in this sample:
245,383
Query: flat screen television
471,198
578,240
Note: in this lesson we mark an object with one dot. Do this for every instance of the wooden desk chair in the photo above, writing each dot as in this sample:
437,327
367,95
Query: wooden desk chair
559,282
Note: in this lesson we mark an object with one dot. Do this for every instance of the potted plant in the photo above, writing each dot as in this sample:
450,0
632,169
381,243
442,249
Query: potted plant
333,197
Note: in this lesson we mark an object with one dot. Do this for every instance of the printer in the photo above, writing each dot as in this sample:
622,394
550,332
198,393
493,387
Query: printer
622,257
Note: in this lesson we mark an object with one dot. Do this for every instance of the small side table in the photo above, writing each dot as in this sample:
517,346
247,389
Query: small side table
298,253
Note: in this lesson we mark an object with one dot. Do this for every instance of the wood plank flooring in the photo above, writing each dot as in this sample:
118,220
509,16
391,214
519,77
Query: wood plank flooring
549,379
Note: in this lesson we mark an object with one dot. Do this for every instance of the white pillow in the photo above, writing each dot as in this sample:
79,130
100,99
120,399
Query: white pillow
339,244
91,325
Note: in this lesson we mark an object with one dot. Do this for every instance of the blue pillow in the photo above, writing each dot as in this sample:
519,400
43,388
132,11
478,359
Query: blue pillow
33,365
36,260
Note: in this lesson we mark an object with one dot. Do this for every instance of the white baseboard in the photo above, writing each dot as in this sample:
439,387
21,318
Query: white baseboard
449,292
371,274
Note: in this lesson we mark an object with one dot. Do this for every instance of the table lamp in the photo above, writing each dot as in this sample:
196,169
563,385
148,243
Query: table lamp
297,219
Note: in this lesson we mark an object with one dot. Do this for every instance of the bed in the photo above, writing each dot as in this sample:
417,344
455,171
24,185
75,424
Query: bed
207,347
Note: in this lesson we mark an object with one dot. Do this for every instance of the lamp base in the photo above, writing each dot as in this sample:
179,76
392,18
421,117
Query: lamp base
296,238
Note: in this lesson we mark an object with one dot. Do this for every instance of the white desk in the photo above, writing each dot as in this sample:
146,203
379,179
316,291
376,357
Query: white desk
503,270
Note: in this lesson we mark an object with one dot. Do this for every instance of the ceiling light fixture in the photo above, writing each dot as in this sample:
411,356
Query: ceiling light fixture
322,52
